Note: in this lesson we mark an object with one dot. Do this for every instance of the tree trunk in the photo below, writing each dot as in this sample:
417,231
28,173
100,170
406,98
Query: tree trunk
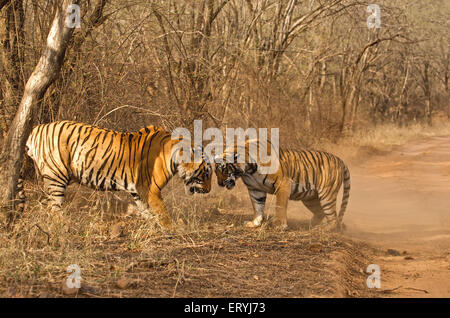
348,108
447,92
448,104
42,77
428,111
309,108
426,78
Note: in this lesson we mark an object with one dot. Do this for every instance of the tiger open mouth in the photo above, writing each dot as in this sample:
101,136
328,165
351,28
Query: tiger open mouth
195,185
229,184
196,188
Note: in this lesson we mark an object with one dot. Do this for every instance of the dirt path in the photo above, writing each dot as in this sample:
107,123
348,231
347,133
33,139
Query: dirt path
401,201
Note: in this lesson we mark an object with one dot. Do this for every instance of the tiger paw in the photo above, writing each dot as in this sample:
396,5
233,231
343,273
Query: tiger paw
329,227
280,225
339,227
166,224
252,224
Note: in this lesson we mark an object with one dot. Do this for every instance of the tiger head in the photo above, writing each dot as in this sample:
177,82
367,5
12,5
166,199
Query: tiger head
196,174
228,170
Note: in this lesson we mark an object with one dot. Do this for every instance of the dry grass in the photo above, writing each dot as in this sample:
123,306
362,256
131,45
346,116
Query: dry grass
380,140
211,255
385,136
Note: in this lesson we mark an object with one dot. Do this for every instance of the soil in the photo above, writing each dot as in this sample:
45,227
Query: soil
401,201
400,209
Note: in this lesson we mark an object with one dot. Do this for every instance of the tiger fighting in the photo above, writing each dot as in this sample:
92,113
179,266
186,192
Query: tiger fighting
142,163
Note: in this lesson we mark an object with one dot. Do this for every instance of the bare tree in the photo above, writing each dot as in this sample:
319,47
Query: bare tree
187,52
443,72
426,83
92,18
42,77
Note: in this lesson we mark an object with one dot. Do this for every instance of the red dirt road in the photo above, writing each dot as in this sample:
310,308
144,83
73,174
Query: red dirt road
401,201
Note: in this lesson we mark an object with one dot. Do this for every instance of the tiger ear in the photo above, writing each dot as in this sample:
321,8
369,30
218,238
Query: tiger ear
251,168
235,157
218,159
179,139
197,149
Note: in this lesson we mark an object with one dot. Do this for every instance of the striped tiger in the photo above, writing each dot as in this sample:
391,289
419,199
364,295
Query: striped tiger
313,177
20,196
140,163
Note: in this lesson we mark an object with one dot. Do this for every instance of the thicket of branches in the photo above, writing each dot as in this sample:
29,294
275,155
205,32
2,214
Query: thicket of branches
312,68
234,63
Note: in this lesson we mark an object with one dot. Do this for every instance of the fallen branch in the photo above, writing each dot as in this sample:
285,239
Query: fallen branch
418,289
387,291
48,235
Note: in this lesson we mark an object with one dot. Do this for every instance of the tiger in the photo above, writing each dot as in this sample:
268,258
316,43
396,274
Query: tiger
313,177
140,163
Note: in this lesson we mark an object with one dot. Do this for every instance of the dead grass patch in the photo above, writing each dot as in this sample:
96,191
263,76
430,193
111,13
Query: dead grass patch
211,255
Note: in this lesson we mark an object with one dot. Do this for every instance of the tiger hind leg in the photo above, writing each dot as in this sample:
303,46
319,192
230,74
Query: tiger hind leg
329,209
56,191
20,196
314,206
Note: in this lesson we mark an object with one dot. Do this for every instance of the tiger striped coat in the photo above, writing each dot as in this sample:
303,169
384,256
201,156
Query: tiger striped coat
313,177
140,163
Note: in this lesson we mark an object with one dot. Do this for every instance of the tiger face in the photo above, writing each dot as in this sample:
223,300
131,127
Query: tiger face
196,175
228,173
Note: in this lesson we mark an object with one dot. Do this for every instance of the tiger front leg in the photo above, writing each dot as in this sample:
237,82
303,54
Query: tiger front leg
158,207
141,207
283,193
258,199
